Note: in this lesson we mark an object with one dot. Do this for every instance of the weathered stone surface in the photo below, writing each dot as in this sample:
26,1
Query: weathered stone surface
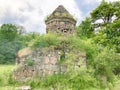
53,60
46,60
23,88
45,63
63,68
60,21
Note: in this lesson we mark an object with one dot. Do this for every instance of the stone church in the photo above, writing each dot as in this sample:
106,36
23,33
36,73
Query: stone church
60,21
46,59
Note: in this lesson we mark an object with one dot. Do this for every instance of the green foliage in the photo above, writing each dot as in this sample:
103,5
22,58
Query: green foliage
101,51
109,29
109,36
34,83
30,62
44,41
6,74
82,80
28,38
11,81
69,81
8,31
10,42
112,32
85,29
104,63
105,11
116,5
109,33
53,81
7,50
62,57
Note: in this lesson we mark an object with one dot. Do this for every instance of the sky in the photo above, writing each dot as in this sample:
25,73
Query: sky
31,13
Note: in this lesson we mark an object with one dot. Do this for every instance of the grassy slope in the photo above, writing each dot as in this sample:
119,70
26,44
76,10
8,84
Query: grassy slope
117,85
4,73
6,69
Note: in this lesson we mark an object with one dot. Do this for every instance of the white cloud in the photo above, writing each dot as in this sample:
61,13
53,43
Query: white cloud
31,13
96,1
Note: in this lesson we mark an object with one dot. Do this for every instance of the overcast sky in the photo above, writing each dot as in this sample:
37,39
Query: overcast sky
31,13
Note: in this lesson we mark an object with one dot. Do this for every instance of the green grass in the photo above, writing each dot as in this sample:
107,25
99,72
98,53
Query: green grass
117,85
5,71
6,68
7,88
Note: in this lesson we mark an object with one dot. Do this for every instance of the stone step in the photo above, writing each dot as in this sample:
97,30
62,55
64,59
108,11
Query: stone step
23,88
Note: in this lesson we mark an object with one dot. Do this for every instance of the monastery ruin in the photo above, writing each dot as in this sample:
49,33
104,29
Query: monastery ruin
46,60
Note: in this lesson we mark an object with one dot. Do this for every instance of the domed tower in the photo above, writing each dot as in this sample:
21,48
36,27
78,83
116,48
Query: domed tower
60,21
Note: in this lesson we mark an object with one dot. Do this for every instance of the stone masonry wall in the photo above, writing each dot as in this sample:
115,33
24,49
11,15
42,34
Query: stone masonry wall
60,25
45,62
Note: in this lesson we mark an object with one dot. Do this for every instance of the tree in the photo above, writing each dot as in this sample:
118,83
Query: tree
85,29
116,5
109,31
110,36
8,31
106,63
20,29
113,34
105,12
10,43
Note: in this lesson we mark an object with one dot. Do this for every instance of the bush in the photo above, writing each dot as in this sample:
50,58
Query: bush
45,41
104,64
30,62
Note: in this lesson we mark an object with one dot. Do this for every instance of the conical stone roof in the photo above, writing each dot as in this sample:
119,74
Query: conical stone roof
60,12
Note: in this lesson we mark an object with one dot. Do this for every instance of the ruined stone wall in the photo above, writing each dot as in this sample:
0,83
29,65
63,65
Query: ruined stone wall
45,62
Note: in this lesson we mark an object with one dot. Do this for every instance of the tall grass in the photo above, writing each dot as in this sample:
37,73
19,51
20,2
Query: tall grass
5,72
79,81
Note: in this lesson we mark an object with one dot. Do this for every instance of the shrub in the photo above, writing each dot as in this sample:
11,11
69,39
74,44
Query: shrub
30,62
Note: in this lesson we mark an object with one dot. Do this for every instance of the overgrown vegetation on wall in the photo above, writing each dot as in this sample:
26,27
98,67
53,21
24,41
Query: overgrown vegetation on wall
102,48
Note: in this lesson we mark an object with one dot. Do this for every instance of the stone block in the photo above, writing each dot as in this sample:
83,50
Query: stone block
40,72
25,88
46,60
47,67
55,68
53,60
41,67
63,68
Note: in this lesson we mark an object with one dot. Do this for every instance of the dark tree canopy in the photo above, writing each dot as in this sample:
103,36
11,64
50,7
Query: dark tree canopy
10,43
8,31
105,11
